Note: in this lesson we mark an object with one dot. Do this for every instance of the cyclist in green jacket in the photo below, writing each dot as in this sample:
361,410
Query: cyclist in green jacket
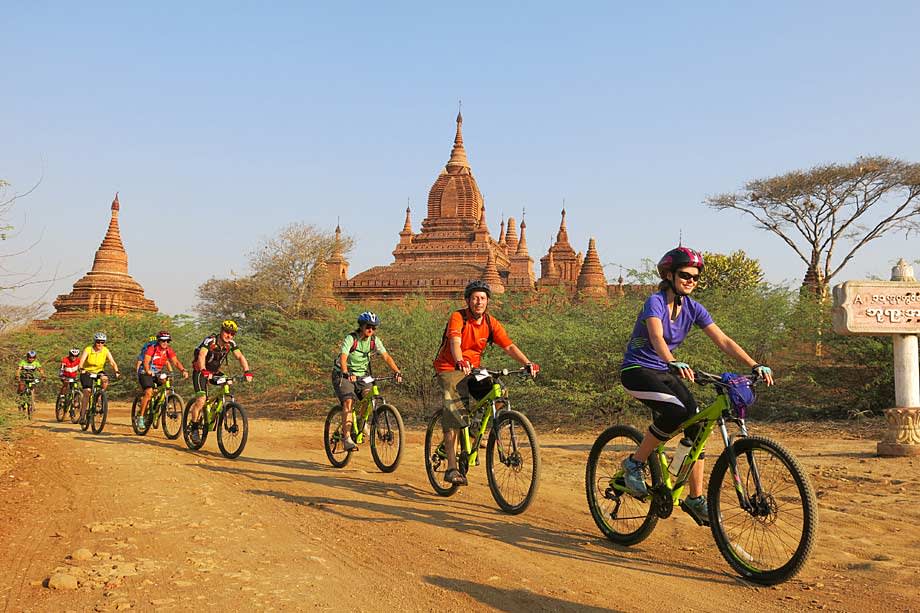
354,361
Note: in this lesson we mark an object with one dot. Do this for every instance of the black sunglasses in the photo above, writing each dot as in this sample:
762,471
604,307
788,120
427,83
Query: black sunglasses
686,276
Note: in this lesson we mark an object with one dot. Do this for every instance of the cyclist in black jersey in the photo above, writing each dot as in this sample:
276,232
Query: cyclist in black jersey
210,355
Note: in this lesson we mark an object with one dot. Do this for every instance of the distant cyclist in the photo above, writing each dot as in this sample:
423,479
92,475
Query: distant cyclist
156,358
354,361
209,356
92,362
70,369
469,331
652,374
26,369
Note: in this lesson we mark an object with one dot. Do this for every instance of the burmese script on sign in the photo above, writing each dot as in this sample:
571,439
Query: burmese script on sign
877,307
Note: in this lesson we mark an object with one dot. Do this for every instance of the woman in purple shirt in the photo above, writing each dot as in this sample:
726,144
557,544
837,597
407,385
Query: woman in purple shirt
651,374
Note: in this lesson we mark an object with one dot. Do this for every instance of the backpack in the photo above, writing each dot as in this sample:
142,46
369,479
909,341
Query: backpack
465,315
354,347
740,393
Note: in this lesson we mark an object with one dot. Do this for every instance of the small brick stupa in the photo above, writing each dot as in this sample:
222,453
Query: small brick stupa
107,289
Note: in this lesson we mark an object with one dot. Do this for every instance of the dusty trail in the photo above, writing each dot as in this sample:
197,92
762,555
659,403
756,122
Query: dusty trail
142,523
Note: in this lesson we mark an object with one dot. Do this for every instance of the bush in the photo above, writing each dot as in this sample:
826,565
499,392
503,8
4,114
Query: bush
579,347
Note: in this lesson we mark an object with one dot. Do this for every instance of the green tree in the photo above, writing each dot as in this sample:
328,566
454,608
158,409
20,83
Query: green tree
831,210
287,276
735,271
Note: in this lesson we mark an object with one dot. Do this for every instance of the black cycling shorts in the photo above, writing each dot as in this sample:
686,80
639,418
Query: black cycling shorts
145,380
666,395
86,382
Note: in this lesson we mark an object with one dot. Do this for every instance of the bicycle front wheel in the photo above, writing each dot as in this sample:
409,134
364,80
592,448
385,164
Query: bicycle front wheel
60,408
513,462
436,456
75,404
387,438
622,518
232,430
172,416
195,433
770,542
136,413
101,414
31,408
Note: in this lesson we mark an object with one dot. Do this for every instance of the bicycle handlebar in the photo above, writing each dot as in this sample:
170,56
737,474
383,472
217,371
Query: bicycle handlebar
707,378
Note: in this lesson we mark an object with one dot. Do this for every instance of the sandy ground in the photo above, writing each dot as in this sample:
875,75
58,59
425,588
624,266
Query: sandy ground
125,522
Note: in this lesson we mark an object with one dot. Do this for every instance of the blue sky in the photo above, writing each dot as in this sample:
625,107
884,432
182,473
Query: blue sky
220,122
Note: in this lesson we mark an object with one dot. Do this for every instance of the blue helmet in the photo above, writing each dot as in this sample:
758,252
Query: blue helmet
368,318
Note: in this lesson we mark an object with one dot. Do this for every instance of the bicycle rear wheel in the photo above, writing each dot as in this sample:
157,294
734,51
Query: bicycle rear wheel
101,414
232,430
75,403
436,457
194,433
513,462
387,438
172,416
332,438
622,518
135,413
770,543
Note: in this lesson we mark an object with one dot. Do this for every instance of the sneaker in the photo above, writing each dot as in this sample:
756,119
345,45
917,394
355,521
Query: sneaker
697,508
634,477
140,422
349,444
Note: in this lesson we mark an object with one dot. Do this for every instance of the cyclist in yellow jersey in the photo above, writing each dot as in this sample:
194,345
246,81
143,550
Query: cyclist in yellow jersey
92,361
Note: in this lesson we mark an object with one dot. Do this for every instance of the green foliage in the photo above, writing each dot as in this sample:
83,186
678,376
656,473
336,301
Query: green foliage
735,271
579,347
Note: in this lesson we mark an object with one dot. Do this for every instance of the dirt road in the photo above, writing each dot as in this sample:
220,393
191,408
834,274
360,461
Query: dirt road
119,522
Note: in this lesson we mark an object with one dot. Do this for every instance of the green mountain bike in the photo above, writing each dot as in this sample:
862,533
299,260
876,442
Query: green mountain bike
70,402
512,452
165,405
378,421
27,397
221,414
762,509
98,410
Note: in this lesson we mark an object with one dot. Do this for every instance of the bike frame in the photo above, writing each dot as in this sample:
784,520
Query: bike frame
372,398
214,407
713,415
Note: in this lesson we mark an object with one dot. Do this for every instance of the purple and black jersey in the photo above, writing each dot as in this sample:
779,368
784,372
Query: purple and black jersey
639,350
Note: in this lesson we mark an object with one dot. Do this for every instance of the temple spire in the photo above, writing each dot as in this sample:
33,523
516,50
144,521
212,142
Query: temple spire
522,244
407,227
491,275
501,233
111,255
458,159
511,238
591,279
562,237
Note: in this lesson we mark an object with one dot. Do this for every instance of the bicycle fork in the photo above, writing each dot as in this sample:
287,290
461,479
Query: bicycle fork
751,504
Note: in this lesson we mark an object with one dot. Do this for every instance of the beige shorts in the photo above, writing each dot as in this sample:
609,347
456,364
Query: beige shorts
456,396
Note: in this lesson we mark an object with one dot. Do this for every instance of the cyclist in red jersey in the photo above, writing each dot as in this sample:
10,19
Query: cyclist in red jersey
156,357
70,369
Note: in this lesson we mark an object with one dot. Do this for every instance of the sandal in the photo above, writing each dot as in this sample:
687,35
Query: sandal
454,477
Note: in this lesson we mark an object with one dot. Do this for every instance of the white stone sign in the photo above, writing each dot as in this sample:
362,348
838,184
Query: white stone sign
892,308
877,307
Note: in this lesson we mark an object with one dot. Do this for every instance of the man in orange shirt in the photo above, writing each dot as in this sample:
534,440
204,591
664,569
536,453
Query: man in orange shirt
469,332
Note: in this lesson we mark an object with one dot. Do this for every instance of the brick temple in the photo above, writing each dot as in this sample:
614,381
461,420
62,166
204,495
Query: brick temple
107,289
454,246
